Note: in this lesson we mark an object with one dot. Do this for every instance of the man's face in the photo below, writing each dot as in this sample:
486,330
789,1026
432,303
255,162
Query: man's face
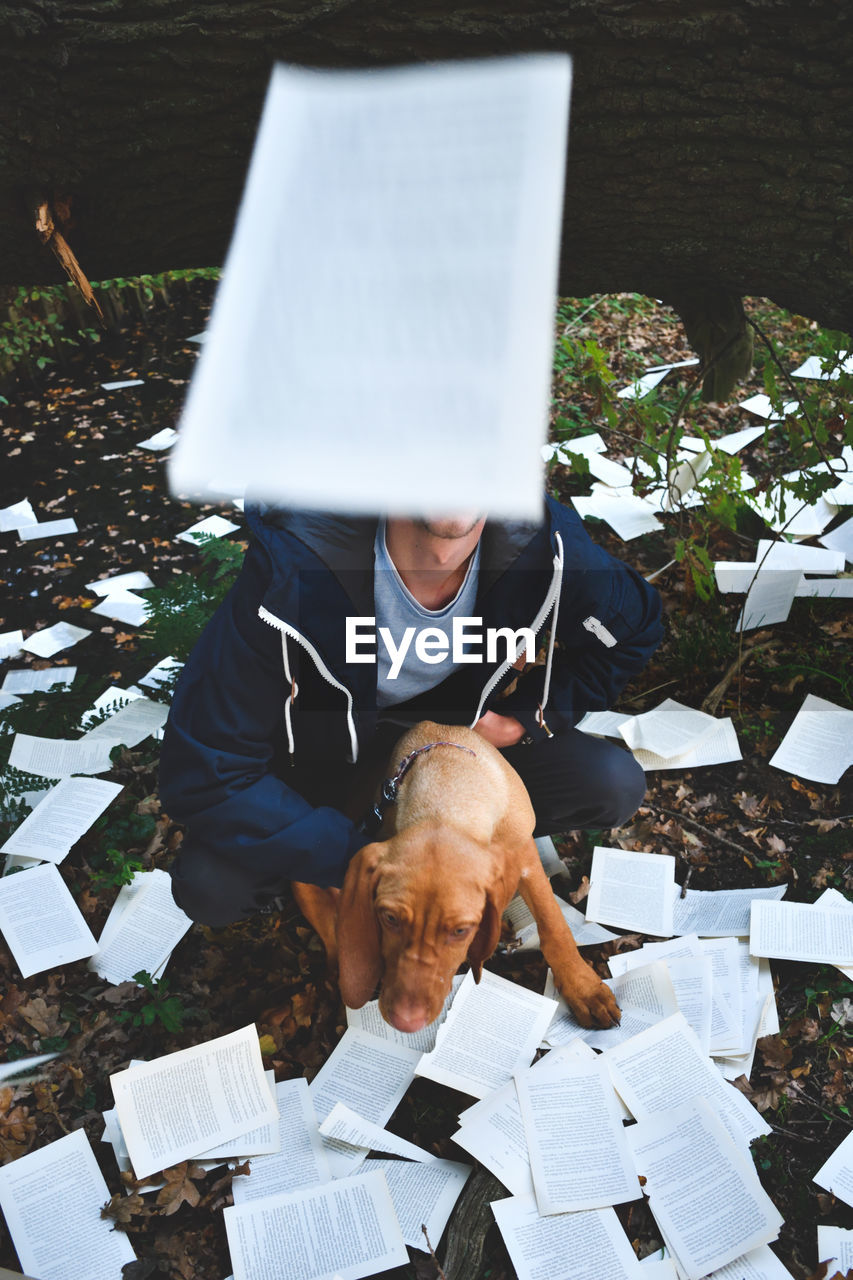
450,527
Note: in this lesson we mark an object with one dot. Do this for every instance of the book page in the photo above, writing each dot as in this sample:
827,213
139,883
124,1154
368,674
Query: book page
17,516
801,931
669,730
719,912
579,1157
769,598
665,1066
727,1012
300,1161
835,1244
492,1030
691,974
344,1125
628,516
61,818
423,1194
125,606
758,1264
632,890
186,1103
416,211
264,1140
831,899
338,1231
645,995
51,640
704,1193
26,680
819,744
131,723
370,1076
368,1018
145,934
135,580
565,1246
41,922
836,1174
720,747
51,1200
520,918
59,757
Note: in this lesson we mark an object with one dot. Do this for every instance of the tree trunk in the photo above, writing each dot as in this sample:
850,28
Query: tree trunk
710,143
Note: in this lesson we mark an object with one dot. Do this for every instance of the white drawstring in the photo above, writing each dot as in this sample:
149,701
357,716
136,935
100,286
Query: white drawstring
294,689
549,661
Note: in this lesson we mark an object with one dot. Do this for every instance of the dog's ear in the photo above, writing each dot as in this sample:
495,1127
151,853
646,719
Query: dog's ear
498,897
357,930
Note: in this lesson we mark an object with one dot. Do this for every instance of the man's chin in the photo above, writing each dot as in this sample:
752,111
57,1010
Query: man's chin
452,526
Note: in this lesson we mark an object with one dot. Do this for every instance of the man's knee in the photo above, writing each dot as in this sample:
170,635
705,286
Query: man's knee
617,788
213,891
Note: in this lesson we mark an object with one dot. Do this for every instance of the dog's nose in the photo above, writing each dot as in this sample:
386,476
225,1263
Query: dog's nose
408,1022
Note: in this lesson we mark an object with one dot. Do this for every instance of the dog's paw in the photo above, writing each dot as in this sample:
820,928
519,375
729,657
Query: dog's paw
593,1003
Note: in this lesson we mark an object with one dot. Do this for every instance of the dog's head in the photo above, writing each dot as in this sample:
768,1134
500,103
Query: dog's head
412,908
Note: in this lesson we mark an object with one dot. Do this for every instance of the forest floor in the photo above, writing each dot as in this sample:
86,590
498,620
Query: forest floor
71,448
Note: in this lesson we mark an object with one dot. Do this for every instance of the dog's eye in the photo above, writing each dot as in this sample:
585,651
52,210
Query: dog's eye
389,918
461,931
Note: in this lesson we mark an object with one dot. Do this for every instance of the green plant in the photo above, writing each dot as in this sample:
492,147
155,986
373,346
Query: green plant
159,1007
180,610
120,870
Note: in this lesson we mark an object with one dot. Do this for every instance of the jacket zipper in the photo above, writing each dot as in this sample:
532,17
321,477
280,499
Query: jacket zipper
270,618
538,621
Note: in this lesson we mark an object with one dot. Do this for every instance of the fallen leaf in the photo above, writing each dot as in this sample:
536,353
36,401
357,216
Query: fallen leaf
775,1052
180,1187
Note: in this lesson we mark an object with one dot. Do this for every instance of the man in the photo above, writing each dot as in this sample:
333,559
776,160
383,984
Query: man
341,631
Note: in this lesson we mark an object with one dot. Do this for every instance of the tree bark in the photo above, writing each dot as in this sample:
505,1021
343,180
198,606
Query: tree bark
710,143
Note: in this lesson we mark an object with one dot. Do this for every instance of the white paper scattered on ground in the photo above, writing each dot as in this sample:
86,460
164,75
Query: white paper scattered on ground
24,1066
628,516
769,598
26,680
143,932
645,995
615,474
760,405
801,931
492,1030
631,890
604,724
58,757
61,818
261,1141
216,526
720,747
835,1244
50,640
126,382
124,606
17,516
8,700
131,724
643,385
422,1194
703,1191
112,699
11,644
758,1264
369,1019
419,214
160,440
579,1157
160,672
812,367
671,729
826,588
520,918
47,529
345,1125
841,539
41,922
562,450
836,1174
730,443
663,1067
565,1246
301,1160
794,555
719,912
279,1236
185,1103
135,580
51,1200
370,1076
819,743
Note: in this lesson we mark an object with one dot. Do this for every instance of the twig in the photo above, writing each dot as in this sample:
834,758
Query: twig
711,703
573,324
432,1253
697,826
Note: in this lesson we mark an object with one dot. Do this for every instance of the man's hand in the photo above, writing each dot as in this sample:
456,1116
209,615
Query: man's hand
501,731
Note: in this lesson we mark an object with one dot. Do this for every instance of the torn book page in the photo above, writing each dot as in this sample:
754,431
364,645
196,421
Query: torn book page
145,932
64,815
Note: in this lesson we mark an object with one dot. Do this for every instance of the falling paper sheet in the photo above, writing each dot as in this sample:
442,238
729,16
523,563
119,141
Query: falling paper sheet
41,922
819,744
416,212
18,516
63,816
301,1159
632,890
48,529
213,526
52,1200
50,640
29,681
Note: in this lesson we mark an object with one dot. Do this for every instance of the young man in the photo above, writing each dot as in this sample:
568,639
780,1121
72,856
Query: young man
342,631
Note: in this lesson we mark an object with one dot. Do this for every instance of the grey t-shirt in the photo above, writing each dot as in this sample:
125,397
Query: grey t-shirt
397,609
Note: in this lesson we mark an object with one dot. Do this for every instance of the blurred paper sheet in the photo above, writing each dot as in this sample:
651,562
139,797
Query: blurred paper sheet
382,335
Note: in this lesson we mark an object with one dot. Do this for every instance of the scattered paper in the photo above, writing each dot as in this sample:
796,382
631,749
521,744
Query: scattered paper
671,729
131,724
826,588
63,816
627,515
632,890
215,526
160,440
257,1142
793,555
50,640
41,922
643,385
703,1191
301,1160
143,932
720,747
769,598
58,757
419,214
17,516
160,673
812,367
198,337
28,681
24,1066
645,995
11,644
339,1231
47,529
492,1030
127,382
52,1200
422,1194
368,1018
125,607
834,1244
520,919
841,539
836,1174
731,443
801,931
564,1246
719,912
112,699
819,744
136,580
761,406
344,1125
185,1103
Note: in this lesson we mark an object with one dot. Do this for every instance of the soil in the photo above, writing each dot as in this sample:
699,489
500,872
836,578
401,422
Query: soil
71,448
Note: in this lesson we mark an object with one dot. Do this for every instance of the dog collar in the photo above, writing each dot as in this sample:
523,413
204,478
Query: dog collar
391,786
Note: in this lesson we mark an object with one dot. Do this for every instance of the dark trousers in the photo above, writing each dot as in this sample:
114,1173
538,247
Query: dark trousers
574,781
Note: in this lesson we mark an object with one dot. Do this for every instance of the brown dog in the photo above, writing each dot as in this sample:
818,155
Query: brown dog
456,846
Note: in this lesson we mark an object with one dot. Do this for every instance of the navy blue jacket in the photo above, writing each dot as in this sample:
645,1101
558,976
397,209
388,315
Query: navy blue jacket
269,673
